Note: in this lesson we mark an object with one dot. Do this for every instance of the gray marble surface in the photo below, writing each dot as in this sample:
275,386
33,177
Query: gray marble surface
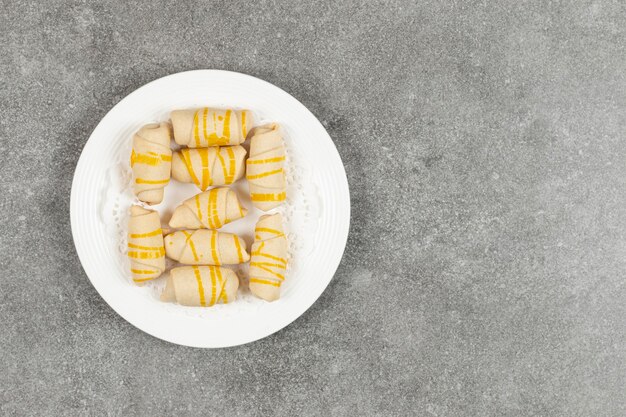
485,149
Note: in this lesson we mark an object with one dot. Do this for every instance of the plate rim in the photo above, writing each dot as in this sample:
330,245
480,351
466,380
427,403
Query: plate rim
343,180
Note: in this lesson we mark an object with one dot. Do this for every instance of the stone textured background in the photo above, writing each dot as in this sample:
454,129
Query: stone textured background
484,146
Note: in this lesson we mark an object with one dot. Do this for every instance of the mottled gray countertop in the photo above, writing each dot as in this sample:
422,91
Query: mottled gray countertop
486,155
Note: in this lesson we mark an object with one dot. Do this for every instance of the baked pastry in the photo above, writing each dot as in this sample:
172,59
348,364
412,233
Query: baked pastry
151,160
265,167
209,166
268,257
205,247
200,286
210,210
199,128
145,244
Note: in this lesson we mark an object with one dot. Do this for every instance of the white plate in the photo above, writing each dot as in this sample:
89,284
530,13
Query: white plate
317,211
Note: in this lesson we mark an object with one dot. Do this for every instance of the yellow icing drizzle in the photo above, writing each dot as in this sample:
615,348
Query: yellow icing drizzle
216,258
257,265
151,158
206,178
187,160
198,209
223,164
144,181
192,246
147,255
265,161
149,234
211,135
218,275
269,197
223,294
238,246
226,127
204,115
244,131
212,271
265,174
209,210
281,266
266,282
196,271
133,246
142,271
268,230
231,165
213,214
142,279
267,255
214,133
196,136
